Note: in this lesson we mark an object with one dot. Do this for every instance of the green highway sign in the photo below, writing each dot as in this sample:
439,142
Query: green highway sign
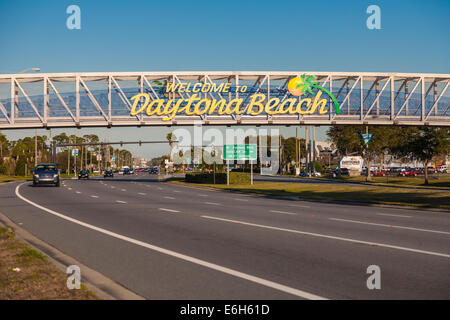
239,152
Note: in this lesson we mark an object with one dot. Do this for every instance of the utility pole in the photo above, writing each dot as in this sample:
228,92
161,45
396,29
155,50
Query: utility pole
367,156
296,150
307,152
35,147
314,151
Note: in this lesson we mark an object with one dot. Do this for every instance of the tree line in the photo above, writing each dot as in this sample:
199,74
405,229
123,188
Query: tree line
18,157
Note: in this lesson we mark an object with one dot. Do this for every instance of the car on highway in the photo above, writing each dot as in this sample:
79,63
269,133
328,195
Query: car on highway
153,170
46,174
83,174
108,173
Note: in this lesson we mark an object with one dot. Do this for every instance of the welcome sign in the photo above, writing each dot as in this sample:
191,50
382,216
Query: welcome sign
303,101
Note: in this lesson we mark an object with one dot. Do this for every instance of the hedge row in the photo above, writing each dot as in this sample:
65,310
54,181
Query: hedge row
221,178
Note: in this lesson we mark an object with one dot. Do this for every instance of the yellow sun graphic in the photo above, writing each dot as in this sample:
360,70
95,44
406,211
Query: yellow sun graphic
295,86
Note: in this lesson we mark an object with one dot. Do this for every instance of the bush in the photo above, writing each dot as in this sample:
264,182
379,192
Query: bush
20,167
3,169
221,178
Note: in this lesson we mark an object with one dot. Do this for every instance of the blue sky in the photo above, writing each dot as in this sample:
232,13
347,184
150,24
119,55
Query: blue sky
222,35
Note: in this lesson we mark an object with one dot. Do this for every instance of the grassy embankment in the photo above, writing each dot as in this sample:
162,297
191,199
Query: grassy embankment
434,181
27,274
343,192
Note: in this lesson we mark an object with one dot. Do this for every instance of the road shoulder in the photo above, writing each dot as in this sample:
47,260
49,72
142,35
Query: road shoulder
103,287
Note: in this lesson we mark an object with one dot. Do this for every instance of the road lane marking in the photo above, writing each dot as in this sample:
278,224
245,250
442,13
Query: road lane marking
69,188
124,189
299,206
177,191
284,212
393,215
239,199
94,196
142,194
389,226
203,263
168,210
159,188
319,235
77,191
112,187
120,201
167,197
213,203
202,195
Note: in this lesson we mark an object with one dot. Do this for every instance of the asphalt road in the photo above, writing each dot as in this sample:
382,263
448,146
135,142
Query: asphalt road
165,241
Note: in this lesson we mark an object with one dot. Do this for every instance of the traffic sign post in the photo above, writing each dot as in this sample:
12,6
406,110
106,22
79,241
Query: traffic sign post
239,152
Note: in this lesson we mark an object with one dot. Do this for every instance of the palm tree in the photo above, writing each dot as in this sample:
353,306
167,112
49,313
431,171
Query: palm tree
171,138
307,84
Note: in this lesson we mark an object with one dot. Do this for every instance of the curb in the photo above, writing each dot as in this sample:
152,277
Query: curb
105,288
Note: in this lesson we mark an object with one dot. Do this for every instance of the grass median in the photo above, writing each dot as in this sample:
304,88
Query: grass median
26,274
435,181
342,192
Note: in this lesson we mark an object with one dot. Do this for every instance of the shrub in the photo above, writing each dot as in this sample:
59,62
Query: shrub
221,178
3,169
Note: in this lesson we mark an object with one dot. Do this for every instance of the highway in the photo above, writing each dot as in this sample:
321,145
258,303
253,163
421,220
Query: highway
167,241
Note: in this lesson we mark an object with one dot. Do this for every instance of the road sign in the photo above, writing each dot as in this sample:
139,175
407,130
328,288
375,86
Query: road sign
366,138
75,152
239,152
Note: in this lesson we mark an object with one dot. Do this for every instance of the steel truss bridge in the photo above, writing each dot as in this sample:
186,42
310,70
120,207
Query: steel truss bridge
58,100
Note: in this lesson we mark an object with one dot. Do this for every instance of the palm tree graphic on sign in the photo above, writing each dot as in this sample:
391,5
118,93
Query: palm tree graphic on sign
298,86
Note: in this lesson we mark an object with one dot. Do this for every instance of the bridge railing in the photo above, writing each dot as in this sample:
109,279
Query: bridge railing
104,99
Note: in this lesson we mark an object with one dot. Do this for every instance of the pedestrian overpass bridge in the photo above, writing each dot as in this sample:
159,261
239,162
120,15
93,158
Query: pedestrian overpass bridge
112,99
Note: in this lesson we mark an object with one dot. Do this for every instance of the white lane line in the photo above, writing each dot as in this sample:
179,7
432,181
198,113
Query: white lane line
167,197
168,210
142,193
213,203
284,212
77,191
203,263
202,195
124,189
69,188
177,191
331,237
239,199
299,206
112,187
159,188
94,196
119,201
390,226
393,215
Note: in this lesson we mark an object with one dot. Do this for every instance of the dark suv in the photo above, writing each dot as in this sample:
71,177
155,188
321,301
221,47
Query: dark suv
108,173
46,174
83,174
